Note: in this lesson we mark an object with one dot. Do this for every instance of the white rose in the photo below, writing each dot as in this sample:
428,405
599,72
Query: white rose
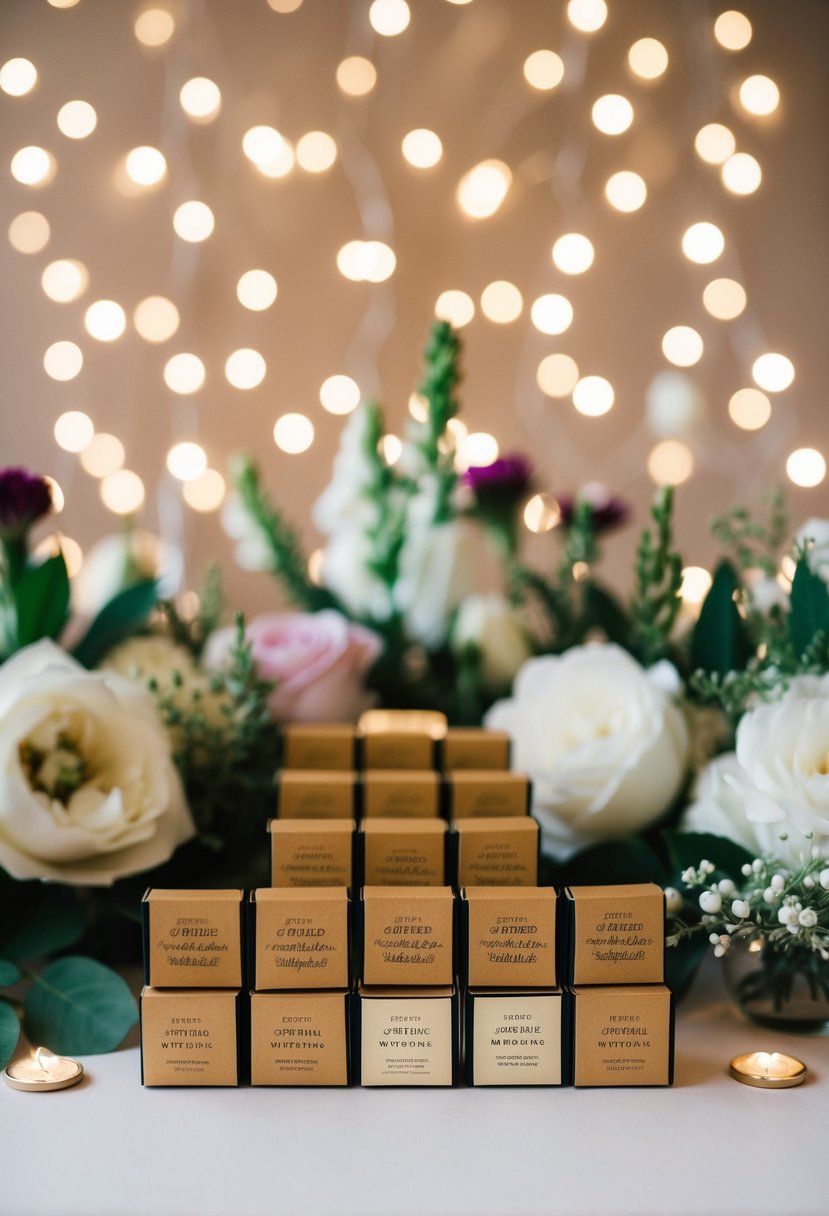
602,740
491,626
88,789
815,533
776,783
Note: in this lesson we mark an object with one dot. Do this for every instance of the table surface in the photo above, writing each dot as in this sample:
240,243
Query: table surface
709,1144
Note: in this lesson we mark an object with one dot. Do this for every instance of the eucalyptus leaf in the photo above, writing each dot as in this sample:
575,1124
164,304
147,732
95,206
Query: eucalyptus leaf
690,848
41,600
46,919
9,973
78,1006
9,1032
809,607
119,617
720,641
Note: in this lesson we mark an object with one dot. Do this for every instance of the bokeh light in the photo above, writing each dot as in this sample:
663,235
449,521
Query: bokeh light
104,454
741,173
806,467
392,449
626,191
542,513
256,290
593,396
146,166
18,77
74,431
557,375
64,280
193,221
456,307
544,69
501,302
773,372
58,542
696,583
552,313
670,463
33,166
724,299
648,59
476,450
122,492
714,143
612,114
63,360
29,232
186,460
245,368
58,496
682,346
587,15
389,17
573,253
154,27
732,30
759,96
316,151
749,409
156,319
422,148
201,99
356,76
77,119
339,394
482,190
205,493
293,433
105,320
366,261
184,373
703,243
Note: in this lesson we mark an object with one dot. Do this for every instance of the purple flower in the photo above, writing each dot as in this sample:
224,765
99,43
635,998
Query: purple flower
608,511
24,498
509,476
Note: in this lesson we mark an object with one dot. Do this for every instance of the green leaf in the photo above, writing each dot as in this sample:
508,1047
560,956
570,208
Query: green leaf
682,961
809,607
79,1006
689,848
119,617
41,598
604,610
614,861
720,641
9,1032
9,973
46,919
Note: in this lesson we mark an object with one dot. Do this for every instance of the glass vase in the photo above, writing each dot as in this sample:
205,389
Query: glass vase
787,989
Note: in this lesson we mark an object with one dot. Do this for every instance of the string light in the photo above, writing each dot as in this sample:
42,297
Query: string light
557,375
366,261
612,114
245,368
154,27
201,99
29,232
74,431
670,463
256,290
573,253
542,513
391,448
759,96
18,77
714,143
63,3
418,408
501,302
626,191
356,76
806,467
476,450
552,313
282,165
593,396
105,320
293,433
773,372
544,70
339,394
695,585
262,145
316,152
587,15
316,562
122,492
749,409
456,307
156,319
648,59
193,221
186,460
65,280
741,173
63,360
58,542
724,299
205,493
146,166
77,119
184,373
482,190
732,30
389,17
703,243
104,454
58,496
422,148
682,346
284,6
33,166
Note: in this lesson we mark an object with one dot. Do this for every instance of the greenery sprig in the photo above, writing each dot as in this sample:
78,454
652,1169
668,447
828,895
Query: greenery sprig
441,378
658,578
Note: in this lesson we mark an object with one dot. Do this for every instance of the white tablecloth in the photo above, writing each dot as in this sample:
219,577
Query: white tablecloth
110,1147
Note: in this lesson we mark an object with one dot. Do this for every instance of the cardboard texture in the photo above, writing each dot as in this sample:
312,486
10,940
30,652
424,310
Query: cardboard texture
477,794
319,745
304,794
299,1038
192,1037
400,738
500,852
476,748
403,853
298,938
192,939
623,1035
312,852
508,937
400,794
615,934
516,1038
406,1037
407,936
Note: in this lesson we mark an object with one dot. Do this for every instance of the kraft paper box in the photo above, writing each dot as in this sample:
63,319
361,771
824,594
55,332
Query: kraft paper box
319,745
477,794
623,1035
406,935
192,1037
499,852
474,747
402,852
405,1036
192,939
298,938
614,934
299,1038
400,794
400,739
508,937
312,852
305,794
517,1038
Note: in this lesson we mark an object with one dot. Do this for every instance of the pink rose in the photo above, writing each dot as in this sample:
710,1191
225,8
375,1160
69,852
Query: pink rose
319,661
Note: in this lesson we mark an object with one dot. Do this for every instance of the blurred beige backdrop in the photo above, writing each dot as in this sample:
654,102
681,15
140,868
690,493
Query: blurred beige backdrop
457,70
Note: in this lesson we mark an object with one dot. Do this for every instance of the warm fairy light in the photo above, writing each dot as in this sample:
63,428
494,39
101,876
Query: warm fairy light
105,320
648,59
543,69
74,431
749,409
316,561
587,15
193,221
806,467
283,163
476,450
695,585
256,290
77,119
156,319
262,145
422,148
573,253
63,360
284,6
366,261
714,143
612,114
58,496
741,173
184,373
483,188
186,460
682,346
724,299
626,191
316,151
593,396
670,463
732,30
418,408
29,232
339,394
552,313
557,375
501,302
293,433
104,454
759,95
122,492
145,166
389,17
457,429
356,76
456,307
154,27
57,543
772,372
201,99
33,166
245,368
63,3
18,77
542,513
63,281
205,493
703,243
392,449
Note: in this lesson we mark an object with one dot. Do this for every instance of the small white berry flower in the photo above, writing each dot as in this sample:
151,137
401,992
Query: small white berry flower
824,879
719,951
711,902
808,882
778,882
706,866
757,865
673,900
746,870
807,918
787,915
770,896
690,874
726,887
713,938
740,908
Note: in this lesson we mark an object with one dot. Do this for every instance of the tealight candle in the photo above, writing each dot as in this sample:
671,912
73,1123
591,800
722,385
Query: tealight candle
43,1071
768,1070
